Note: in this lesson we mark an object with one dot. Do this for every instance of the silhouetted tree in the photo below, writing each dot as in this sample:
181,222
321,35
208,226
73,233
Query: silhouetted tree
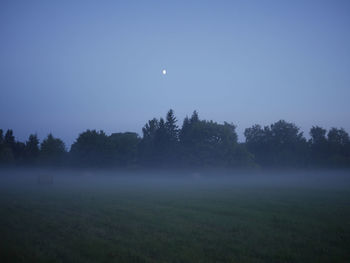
125,148
199,143
1,145
7,155
31,150
258,142
92,148
161,143
1,137
186,134
52,151
16,148
18,151
319,150
281,144
339,147
171,127
147,150
6,145
207,143
170,139
9,139
289,143
194,117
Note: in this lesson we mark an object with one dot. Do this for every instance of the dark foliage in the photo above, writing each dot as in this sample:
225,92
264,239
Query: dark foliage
281,144
91,148
53,151
31,150
96,149
198,143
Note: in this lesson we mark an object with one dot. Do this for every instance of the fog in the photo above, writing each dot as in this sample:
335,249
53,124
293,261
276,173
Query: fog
81,215
172,180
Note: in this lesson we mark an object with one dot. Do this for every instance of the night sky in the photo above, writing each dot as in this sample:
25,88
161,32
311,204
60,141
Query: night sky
66,67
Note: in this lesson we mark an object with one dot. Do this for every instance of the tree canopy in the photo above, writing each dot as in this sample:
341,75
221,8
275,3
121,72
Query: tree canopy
196,143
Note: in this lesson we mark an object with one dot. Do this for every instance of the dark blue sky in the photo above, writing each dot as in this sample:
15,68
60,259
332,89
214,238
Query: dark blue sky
66,67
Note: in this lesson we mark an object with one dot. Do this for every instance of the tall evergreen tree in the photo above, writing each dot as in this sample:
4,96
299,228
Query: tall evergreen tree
7,154
171,127
31,151
149,130
9,139
194,117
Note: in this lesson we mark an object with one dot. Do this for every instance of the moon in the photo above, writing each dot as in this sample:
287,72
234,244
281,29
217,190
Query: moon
164,71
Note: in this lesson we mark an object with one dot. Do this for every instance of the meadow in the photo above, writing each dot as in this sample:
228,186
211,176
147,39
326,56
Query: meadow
102,217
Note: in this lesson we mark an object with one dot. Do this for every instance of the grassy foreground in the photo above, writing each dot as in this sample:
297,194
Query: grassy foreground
113,219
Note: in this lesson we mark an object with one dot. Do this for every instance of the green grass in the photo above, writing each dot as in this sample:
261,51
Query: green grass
114,220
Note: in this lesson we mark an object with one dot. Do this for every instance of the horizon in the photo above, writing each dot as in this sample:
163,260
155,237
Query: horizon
240,135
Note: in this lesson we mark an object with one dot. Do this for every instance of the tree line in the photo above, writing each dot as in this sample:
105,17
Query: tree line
197,143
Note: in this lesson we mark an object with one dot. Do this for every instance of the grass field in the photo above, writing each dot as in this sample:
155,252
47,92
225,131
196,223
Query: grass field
100,218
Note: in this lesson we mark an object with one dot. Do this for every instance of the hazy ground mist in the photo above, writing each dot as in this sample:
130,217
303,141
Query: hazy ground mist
174,179
167,216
